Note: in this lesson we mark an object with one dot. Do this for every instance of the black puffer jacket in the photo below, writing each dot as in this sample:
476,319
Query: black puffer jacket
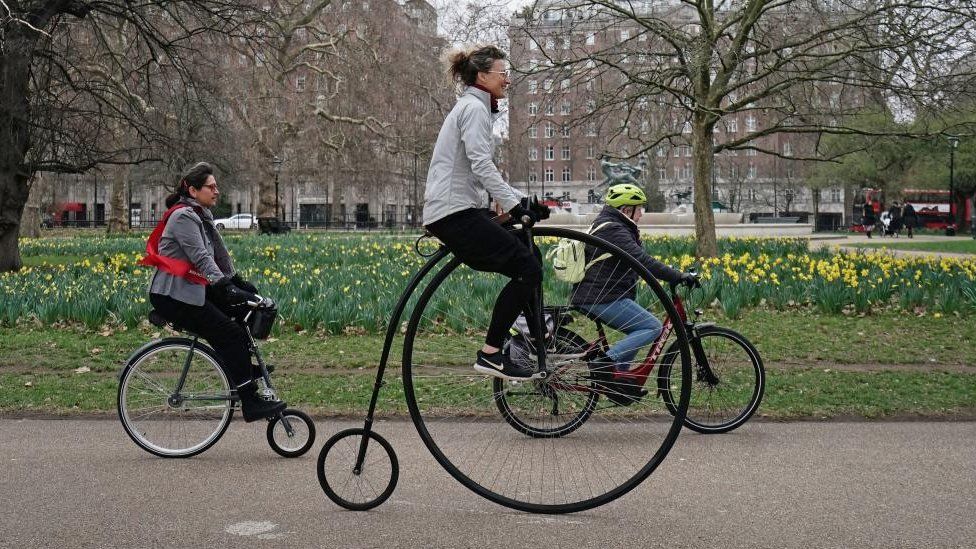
608,280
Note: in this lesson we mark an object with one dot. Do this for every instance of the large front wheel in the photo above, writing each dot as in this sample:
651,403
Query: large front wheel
728,380
581,450
167,419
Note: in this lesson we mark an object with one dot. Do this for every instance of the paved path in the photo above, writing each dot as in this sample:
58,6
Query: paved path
849,243
82,483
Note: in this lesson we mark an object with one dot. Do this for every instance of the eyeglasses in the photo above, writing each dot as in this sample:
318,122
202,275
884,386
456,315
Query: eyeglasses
211,186
503,73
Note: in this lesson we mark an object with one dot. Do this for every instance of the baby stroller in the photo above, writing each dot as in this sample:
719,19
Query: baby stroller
892,225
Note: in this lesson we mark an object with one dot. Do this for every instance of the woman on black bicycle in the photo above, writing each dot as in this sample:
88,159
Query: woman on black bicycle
195,285
607,291
461,176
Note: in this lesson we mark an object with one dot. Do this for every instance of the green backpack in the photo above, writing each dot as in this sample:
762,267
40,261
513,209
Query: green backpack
569,260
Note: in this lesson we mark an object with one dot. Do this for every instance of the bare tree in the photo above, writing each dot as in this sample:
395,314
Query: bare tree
61,111
793,66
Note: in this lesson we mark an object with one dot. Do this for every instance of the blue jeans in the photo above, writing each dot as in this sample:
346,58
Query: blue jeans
627,316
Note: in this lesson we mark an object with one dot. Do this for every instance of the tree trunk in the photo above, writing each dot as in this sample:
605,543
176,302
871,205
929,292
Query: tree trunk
15,58
118,221
30,221
703,161
266,196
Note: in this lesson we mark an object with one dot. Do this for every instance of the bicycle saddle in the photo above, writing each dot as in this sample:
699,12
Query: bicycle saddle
159,320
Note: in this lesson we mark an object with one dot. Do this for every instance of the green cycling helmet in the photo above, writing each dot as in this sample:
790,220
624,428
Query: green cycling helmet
625,194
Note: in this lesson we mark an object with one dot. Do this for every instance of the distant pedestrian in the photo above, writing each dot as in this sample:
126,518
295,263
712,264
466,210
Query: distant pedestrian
893,227
910,218
868,219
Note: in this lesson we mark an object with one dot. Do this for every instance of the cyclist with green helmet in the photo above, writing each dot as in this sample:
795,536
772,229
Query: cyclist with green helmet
607,291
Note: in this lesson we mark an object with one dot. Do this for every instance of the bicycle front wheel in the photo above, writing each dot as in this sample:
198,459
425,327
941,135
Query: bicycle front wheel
163,420
728,380
561,444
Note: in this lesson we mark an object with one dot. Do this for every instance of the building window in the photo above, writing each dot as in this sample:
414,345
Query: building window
590,105
549,109
590,173
300,83
567,175
591,130
547,84
590,38
732,125
532,132
687,149
589,151
835,194
787,149
662,173
533,109
732,152
533,153
549,175
661,151
565,131
751,174
533,177
550,152
565,155
686,171
566,108
533,86
624,35
750,123
564,85
751,152
753,195
677,152
550,130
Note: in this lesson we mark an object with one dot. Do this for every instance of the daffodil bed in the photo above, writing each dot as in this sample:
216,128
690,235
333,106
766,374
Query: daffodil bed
339,284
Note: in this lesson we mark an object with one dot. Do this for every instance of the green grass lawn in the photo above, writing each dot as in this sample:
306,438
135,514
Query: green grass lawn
958,245
818,366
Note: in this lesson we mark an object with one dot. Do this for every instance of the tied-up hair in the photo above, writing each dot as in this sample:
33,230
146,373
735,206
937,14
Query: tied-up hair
196,176
464,65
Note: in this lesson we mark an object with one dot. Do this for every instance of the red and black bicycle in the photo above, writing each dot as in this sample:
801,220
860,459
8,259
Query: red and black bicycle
727,384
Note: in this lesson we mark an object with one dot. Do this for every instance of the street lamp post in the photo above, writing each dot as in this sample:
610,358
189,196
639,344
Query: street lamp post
276,166
953,143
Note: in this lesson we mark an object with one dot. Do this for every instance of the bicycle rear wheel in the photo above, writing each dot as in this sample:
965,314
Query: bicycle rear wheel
552,407
163,421
726,393
592,455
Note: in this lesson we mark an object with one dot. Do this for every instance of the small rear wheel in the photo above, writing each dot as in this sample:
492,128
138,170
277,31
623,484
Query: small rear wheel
357,485
301,438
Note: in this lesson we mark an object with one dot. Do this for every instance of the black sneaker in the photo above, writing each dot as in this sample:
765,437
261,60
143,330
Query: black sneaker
498,365
258,405
620,391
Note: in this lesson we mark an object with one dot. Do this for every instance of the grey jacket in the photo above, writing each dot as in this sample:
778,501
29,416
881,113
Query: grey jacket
607,281
190,235
462,171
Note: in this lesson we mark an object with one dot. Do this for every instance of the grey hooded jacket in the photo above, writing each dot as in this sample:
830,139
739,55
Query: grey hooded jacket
190,235
462,171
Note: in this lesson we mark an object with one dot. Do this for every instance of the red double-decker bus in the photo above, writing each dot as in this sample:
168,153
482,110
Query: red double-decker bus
932,206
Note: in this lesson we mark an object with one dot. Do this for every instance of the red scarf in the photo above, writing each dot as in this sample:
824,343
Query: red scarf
171,265
494,100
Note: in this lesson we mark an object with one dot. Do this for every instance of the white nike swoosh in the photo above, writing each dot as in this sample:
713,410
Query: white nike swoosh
498,367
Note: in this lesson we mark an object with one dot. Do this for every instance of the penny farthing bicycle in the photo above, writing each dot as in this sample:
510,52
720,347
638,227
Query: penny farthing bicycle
560,442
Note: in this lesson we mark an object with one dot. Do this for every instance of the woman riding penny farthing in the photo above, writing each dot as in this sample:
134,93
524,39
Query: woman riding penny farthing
543,429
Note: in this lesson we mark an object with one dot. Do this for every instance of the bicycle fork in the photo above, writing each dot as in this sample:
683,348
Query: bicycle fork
703,371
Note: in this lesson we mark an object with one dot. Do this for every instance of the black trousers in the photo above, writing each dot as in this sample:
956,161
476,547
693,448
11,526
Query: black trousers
223,333
486,246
